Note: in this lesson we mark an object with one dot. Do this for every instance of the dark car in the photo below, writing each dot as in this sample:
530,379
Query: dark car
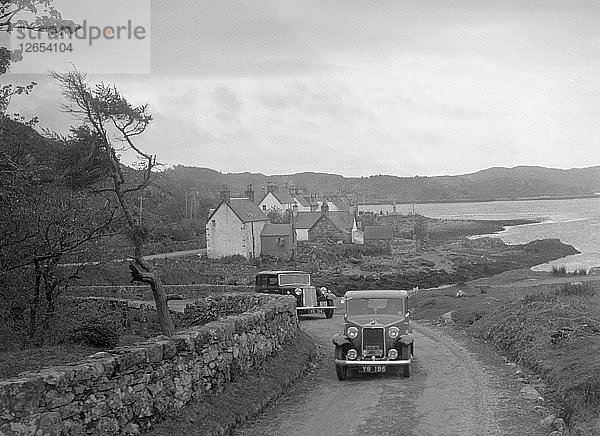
377,335
297,283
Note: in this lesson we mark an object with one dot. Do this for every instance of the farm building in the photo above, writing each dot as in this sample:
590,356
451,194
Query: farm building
376,234
278,240
234,227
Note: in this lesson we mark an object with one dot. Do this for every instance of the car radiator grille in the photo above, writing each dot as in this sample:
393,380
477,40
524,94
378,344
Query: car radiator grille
373,342
310,297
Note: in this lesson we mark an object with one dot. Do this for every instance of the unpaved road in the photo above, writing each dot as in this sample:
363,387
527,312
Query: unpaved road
455,389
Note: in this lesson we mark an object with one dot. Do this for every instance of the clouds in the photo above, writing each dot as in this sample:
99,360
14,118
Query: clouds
360,87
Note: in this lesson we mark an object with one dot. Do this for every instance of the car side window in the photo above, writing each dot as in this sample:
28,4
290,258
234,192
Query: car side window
273,281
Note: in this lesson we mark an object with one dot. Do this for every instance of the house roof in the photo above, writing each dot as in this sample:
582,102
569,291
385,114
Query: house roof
341,220
379,232
244,209
281,195
276,230
340,203
302,201
305,220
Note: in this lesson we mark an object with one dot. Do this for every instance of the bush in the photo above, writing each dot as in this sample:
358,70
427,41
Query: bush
559,271
580,289
97,332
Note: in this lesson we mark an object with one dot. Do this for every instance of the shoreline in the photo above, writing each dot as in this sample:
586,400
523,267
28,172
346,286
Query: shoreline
389,202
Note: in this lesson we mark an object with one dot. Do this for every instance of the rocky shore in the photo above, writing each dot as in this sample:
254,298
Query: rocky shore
440,263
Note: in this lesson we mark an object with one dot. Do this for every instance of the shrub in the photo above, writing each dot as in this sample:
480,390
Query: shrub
559,271
97,332
579,289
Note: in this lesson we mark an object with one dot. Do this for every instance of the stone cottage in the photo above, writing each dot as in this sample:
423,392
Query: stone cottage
324,226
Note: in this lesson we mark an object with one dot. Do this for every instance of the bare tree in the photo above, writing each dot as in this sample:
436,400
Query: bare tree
112,125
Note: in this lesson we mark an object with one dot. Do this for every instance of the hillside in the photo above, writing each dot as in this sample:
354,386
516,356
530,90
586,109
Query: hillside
490,184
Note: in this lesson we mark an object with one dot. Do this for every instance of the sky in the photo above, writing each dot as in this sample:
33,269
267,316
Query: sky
354,87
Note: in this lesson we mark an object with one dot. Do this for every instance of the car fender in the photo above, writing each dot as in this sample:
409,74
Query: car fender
407,339
341,339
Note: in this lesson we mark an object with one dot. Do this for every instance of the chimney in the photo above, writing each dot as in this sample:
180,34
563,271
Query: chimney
225,194
250,193
295,211
324,207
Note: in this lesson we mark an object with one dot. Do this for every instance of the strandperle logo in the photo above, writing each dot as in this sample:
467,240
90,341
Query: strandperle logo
91,33
98,37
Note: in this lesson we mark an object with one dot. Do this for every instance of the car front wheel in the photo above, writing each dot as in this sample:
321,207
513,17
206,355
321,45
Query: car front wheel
329,312
406,354
340,370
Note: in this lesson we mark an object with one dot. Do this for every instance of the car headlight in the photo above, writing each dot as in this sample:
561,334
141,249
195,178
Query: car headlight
298,291
392,354
352,332
352,354
393,332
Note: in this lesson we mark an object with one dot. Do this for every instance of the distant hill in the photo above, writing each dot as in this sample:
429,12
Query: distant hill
490,184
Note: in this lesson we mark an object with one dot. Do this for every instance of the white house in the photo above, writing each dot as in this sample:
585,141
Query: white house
278,199
234,227
302,202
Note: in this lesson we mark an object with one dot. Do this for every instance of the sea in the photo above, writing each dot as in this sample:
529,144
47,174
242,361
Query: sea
573,221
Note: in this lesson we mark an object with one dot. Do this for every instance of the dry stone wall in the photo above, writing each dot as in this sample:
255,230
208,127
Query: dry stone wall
122,391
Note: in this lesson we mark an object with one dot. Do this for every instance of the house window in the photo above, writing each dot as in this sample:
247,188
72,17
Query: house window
264,207
213,222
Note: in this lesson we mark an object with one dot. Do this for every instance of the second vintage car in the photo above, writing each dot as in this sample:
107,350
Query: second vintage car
376,336
297,283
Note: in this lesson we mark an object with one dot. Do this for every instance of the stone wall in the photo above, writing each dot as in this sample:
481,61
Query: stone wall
122,391
143,292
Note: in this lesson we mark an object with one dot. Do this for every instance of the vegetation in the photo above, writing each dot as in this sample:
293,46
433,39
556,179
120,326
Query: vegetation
556,334
111,126
561,271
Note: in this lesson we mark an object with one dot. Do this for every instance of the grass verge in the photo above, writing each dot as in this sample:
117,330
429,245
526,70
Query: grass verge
243,399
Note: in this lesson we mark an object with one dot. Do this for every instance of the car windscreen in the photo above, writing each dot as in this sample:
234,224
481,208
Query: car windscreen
294,279
375,306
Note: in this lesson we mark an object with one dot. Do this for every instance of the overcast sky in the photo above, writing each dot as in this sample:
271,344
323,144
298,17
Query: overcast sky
359,87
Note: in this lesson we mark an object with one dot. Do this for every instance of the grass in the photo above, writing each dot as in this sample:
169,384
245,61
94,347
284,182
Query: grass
553,329
557,334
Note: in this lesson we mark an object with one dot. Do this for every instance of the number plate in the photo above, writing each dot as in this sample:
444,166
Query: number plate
373,368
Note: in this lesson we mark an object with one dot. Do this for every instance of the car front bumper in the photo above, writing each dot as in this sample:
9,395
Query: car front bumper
373,362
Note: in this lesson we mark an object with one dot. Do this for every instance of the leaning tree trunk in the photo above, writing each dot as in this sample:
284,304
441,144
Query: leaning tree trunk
142,271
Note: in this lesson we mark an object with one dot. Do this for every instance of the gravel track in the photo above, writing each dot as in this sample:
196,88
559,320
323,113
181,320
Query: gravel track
456,389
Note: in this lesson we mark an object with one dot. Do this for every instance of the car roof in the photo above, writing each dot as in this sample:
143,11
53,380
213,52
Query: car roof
375,293
282,272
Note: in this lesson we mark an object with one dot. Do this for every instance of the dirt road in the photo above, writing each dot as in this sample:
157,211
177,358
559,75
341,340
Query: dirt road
454,390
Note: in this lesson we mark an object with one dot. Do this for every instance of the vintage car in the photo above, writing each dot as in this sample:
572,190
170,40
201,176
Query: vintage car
377,336
297,283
